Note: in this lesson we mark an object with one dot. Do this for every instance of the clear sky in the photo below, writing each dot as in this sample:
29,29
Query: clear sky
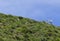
35,9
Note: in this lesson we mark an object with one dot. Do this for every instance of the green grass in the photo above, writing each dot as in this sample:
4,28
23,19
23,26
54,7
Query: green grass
15,28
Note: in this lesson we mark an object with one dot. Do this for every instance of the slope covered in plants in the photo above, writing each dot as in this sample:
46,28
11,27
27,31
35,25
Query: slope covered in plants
15,28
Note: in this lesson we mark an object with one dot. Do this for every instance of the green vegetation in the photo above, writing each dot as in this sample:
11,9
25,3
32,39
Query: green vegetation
15,28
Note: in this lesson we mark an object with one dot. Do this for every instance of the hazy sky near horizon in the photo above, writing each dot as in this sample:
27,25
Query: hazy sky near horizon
35,9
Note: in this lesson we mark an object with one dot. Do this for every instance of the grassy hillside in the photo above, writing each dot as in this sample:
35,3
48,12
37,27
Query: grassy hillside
15,28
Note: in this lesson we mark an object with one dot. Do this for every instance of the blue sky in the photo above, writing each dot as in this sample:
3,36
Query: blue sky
35,9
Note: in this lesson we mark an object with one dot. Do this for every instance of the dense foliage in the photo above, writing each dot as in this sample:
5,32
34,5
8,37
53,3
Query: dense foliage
15,28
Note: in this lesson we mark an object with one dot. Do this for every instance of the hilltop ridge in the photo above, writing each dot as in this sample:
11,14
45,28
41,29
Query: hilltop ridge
17,28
